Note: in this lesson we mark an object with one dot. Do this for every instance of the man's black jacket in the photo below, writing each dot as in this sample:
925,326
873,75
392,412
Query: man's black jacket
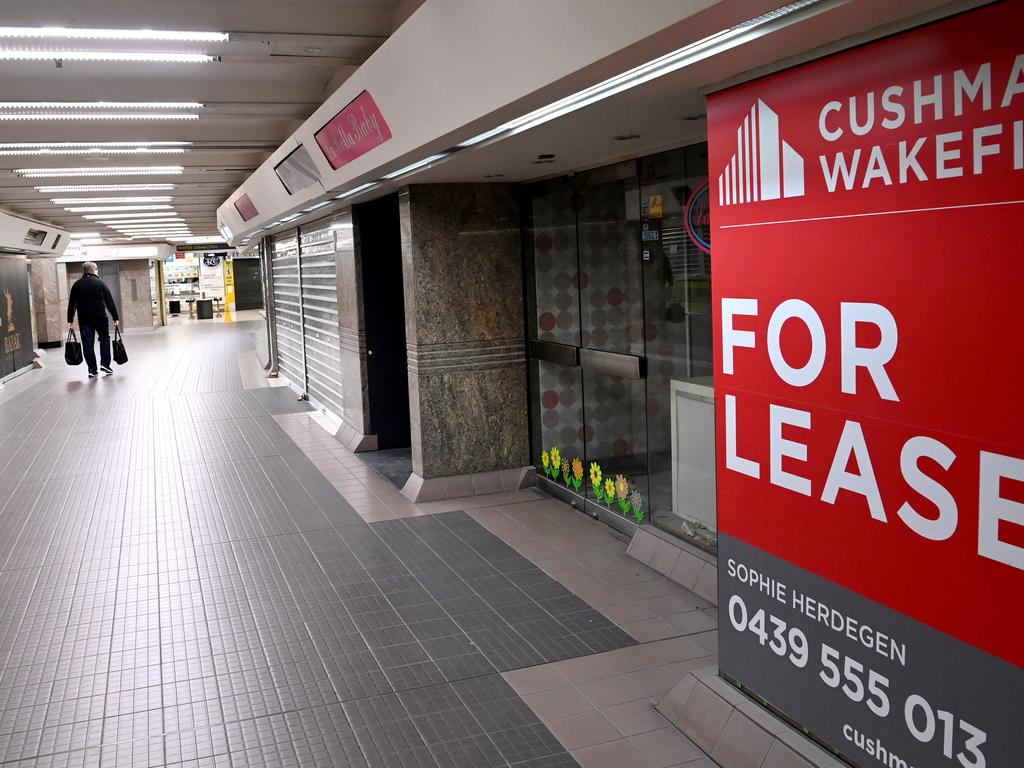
89,295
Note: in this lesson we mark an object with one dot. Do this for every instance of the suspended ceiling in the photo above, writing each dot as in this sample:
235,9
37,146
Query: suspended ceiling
281,60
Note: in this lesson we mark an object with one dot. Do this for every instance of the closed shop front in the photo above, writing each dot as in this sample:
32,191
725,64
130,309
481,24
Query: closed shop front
284,258
305,293
320,316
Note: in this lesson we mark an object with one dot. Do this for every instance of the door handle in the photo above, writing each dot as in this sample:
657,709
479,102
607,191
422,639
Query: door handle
613,364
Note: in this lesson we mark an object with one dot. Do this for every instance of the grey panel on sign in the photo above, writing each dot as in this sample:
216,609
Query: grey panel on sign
944,682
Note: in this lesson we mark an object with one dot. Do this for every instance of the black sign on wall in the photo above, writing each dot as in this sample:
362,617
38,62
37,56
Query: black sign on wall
15,315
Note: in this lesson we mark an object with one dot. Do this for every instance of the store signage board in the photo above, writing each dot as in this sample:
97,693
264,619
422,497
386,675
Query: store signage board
353,132
15,319
245,207
297,171
211,276
868,218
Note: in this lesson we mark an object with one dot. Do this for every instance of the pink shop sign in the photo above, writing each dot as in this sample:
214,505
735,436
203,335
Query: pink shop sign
354,131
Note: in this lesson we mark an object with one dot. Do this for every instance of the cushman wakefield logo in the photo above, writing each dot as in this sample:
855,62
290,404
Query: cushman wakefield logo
977,107
764,167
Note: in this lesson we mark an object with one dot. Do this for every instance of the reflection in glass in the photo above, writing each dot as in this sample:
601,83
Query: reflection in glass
677,293
554,279
611,300
616,428
558,410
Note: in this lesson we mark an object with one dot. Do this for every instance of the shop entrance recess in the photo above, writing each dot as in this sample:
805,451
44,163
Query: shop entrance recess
618,299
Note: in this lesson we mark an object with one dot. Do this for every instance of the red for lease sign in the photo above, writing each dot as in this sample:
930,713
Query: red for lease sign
868,217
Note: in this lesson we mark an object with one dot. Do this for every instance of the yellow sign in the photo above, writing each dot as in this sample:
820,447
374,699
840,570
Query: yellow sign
655,207
229,282
229,289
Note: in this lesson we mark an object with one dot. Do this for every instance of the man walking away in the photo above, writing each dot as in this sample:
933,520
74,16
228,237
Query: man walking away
91,298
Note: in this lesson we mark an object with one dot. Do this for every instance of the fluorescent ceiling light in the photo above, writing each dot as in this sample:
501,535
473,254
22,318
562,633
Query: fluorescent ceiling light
124,216
81,235
66,33
148,225
116,208
131,170
419,164
91,241
23,117
46,152
142,223
163,228
110,106
90,144
704,48
70,188
115,56
85,200
357,190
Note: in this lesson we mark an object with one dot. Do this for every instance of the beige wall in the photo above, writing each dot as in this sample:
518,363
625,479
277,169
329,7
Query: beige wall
136,296
136,299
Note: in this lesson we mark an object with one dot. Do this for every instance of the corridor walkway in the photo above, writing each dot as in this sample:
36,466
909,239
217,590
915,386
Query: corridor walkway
180,584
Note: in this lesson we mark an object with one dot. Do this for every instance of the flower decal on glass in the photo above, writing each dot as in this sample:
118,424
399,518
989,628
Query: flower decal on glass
622,493
577,473
595,480
609,491
556,463
545,462
636,501
566,477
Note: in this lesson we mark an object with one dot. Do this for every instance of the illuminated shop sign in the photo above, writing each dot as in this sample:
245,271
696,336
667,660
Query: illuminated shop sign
698,217
297,171
868,221
245,208
353,132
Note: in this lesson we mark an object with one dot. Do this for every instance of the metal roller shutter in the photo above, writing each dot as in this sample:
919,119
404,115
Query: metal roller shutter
288,310
320,317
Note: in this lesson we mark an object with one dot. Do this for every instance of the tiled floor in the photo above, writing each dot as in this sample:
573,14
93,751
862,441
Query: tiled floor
193,573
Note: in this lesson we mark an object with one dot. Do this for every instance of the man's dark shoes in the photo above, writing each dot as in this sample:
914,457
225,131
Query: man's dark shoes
107,370
93,374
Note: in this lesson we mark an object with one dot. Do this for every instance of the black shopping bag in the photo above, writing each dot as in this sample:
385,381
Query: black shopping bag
72,349
120,356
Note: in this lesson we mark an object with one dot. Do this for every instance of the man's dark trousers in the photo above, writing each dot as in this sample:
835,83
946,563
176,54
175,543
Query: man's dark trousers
91,328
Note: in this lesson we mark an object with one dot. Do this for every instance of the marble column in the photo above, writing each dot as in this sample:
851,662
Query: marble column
49,303
352,334
462,270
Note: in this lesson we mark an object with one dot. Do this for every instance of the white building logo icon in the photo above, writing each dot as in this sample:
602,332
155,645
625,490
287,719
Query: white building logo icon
764,167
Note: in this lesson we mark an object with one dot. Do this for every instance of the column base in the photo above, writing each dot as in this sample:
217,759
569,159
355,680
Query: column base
733,730
355,440
477,484
678,561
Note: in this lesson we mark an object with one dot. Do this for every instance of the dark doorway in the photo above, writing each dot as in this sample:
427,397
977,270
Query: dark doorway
248,284
380,247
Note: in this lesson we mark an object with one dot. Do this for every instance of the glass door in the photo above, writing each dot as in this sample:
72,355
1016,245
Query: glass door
619,308
587,338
